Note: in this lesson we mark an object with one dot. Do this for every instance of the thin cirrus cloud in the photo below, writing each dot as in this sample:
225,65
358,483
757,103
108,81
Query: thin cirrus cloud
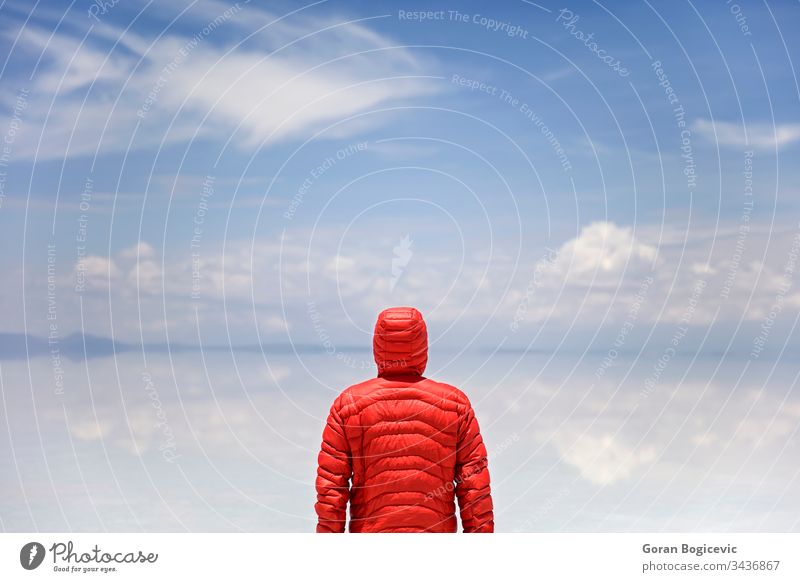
293,77
757,136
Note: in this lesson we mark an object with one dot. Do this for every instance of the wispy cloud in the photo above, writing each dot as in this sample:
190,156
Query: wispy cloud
757,136
293,77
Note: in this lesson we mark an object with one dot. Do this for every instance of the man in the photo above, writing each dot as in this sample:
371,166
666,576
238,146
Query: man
401,447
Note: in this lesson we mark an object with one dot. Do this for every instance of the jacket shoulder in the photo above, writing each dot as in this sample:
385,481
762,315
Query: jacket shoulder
345,403
447,391
350,399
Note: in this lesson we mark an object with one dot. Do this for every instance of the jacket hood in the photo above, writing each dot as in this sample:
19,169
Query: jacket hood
400,342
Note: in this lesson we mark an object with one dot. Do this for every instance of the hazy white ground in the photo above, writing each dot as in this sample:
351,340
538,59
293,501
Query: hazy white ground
213,444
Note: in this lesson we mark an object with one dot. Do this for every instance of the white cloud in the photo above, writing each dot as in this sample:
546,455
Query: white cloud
94,272
99,272
758,136
602,459
263,288
602,252
138,251
611,436
90,428
147,275
270,323
184,87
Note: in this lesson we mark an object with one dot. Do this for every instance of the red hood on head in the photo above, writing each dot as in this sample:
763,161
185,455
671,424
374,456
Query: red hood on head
400,342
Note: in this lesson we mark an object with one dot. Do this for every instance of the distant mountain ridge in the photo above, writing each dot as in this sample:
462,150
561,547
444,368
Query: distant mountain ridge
78,346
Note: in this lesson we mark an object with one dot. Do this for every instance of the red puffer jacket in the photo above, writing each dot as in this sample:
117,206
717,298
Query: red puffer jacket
401,447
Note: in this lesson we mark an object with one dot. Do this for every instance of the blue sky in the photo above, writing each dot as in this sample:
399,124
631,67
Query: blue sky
489,135
594,205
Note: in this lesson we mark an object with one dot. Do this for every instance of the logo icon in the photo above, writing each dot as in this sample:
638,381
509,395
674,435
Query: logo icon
400,260
31,555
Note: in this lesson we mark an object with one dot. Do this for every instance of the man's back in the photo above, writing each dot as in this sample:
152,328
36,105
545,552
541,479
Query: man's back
400,447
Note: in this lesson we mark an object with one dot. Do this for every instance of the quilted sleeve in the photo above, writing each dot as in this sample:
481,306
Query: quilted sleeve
333,476
472,477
